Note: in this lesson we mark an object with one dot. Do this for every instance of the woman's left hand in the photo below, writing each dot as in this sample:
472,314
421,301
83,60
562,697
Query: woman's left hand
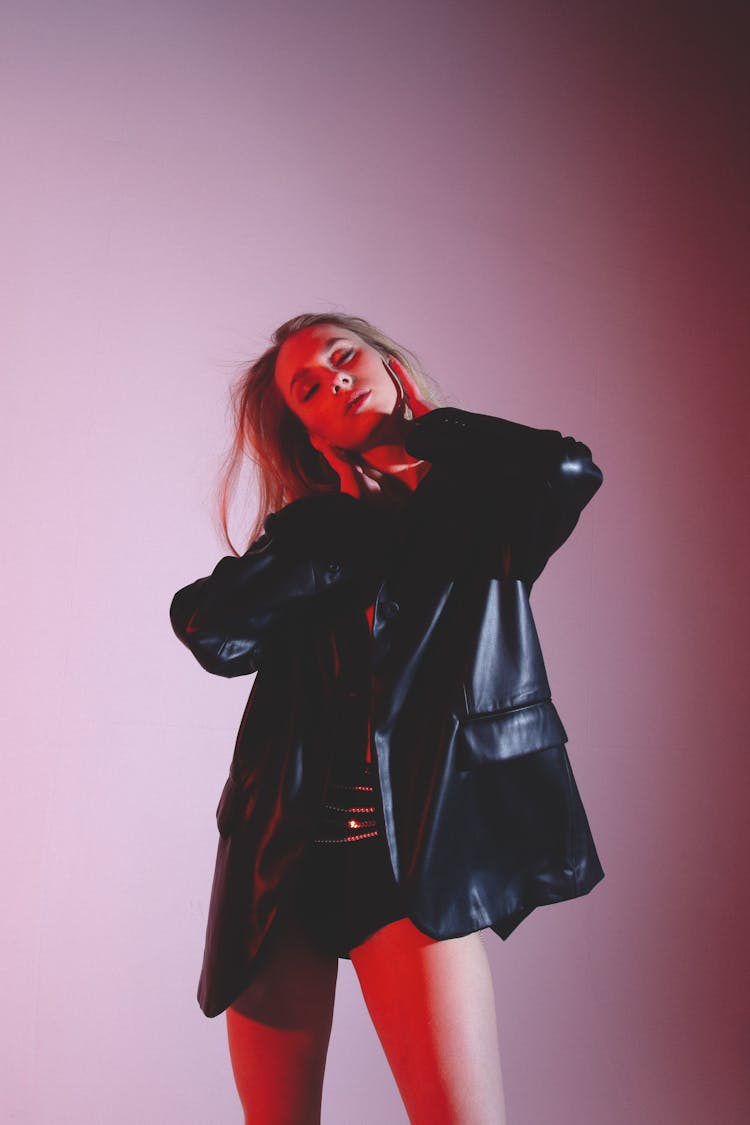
360,481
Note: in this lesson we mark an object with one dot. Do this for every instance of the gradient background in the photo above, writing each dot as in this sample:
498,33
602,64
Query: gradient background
547,202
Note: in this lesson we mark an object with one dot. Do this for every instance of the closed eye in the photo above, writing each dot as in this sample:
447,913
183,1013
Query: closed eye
340,357
310,392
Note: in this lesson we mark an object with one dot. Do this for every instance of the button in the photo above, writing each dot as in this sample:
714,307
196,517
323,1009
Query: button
454,420
333,567
390,610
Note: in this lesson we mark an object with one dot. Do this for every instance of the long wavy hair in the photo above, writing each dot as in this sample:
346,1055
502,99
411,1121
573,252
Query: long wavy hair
286,465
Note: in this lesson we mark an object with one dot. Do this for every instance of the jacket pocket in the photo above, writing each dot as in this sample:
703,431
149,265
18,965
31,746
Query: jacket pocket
230,807
497,736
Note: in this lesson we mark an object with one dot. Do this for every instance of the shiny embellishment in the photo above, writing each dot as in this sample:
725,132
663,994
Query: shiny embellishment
344,819
347,809
348,839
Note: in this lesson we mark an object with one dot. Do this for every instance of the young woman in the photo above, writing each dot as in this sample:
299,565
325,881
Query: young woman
400,780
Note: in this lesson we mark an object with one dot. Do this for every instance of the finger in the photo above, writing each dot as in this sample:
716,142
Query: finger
370,471
370,486
418,407
331,455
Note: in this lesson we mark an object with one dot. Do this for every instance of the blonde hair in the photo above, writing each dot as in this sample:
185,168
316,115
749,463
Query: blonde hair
286,465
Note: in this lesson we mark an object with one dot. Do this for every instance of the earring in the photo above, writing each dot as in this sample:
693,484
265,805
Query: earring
403,405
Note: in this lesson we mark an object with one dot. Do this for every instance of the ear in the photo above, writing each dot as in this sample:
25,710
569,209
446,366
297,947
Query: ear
410,387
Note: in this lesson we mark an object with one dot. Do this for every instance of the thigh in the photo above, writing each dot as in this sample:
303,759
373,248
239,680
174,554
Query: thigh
433,1008
278,1031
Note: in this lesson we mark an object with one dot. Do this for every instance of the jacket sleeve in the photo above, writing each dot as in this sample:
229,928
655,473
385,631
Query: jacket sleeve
308,551
542,480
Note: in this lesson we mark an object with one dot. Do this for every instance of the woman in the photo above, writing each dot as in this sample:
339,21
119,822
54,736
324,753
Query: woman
400,780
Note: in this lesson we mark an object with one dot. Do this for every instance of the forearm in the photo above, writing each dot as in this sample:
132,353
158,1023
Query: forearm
322,547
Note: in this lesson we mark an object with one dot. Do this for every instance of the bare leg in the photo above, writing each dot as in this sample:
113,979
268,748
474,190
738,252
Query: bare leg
278,1031
433,1008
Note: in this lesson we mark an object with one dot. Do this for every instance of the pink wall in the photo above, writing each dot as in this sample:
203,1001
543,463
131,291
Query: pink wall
548,203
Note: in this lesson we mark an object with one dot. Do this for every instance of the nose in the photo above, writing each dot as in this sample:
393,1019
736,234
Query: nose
341,380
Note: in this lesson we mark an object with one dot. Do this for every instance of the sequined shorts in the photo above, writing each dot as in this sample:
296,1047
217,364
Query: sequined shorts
346,893
346,889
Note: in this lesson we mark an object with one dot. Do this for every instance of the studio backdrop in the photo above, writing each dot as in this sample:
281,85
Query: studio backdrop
548,204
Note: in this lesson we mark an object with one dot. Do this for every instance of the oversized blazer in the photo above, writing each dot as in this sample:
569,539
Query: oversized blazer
474,790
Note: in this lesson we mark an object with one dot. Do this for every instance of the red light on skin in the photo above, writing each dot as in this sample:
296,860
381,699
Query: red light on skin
356,402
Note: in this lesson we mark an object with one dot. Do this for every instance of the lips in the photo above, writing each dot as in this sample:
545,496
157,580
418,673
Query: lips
355,400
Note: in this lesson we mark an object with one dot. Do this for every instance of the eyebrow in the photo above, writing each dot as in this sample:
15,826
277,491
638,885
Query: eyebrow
306,370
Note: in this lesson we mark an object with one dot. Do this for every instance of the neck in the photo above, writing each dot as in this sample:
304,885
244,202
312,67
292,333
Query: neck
387,452
394,459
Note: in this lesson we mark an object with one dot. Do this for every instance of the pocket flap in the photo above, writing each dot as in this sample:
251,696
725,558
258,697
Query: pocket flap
500,735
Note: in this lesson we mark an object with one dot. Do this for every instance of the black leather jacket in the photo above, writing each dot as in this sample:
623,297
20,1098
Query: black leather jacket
475,793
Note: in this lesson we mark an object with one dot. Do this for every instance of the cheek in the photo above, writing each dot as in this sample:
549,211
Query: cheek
391,396
326,427
384,397
385,389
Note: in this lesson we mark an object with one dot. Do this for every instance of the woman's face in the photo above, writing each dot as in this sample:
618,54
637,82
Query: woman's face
337,385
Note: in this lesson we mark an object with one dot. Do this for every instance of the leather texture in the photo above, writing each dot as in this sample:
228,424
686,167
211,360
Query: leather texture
474,790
